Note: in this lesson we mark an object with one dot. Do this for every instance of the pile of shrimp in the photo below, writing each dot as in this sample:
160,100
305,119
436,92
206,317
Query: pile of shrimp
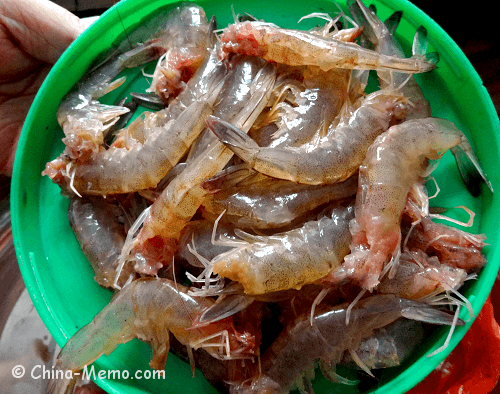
269,213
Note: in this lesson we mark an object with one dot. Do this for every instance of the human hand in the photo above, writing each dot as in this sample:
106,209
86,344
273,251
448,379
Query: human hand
33,34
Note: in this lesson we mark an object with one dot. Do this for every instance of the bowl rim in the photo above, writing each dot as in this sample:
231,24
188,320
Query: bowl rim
26,261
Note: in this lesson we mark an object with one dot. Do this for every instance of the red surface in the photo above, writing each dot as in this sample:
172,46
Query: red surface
474,365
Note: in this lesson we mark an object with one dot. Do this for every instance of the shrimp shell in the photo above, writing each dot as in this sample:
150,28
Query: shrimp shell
273,203
183,196
165,136
289,260
149,309
397,160
100,236
301,343
330,159
299,48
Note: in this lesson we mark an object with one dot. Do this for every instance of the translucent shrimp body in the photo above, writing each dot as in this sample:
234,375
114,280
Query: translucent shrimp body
273,203
301,343
301,48
82,118
188,33
314,109
396,161
100,236
332,158
183,196
165,137
425,278
149,309
385,43
289,260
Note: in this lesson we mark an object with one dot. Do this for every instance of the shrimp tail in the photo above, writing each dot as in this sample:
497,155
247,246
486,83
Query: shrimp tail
420,44
231,176
469,168
211,36
235,139
428,314
366,18
392,22
142,54
149,100
108,329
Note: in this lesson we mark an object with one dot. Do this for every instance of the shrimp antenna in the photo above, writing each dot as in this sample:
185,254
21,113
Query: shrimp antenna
351,305
320,297
124,29
448,338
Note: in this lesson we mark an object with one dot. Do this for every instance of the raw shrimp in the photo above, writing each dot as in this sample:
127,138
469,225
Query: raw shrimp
383,38
159,140
100,236
82,118
385,43
388,346
149,309
184,55
314,109
301,48
316,99
452,246
273,203
181,199
292,354
332,158
289,260
233,99
419,276
396,161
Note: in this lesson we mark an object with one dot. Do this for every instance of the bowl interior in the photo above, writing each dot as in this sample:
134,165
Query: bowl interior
57,274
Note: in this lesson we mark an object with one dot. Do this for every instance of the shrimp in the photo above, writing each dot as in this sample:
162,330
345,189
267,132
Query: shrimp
383,38
292,354
314,109
389,346
273,203
148,309
100,236
385,43
160,140
396,161
232,102
299,48
453,247
289,260
82,118
419,276
186,53
332,158
183,196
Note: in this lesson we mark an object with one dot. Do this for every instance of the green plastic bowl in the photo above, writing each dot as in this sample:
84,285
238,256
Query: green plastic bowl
57,274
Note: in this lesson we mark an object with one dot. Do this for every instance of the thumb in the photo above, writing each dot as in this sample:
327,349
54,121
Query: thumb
39,27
